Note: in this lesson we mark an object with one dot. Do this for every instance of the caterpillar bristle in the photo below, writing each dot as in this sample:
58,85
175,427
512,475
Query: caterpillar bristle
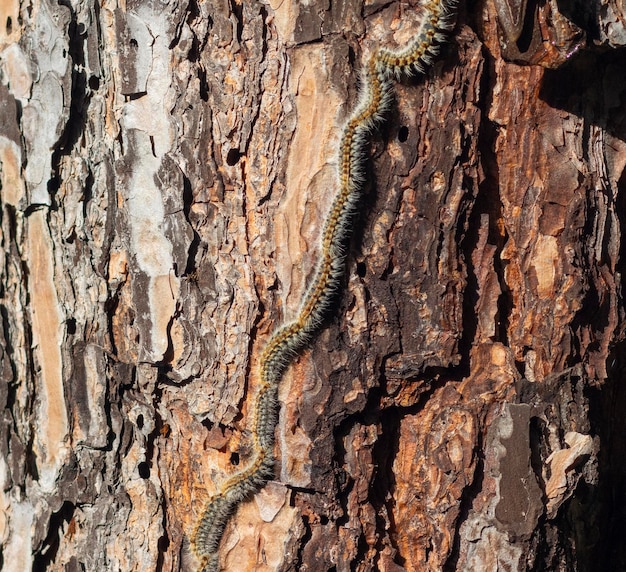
375,100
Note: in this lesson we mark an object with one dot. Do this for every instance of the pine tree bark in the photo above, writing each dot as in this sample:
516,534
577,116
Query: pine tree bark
165,170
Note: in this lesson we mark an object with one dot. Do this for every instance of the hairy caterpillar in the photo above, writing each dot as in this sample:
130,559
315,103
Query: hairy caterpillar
381,68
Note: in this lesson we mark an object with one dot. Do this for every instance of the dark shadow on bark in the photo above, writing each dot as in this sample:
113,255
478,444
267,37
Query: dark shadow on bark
607,407
591,85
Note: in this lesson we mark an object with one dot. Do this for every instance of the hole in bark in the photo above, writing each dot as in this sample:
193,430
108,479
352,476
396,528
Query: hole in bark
94,83
233,157
204,85
234,458
140,421
144,470
71,326
133,43
403,134
163,544
9,25
361,269
351,56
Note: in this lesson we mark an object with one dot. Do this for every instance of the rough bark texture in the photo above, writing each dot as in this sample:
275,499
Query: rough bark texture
165,171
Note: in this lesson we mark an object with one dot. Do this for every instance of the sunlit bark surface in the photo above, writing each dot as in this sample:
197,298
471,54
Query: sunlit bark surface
165,171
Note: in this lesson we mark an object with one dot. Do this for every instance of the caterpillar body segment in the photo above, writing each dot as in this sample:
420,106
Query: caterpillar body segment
382,68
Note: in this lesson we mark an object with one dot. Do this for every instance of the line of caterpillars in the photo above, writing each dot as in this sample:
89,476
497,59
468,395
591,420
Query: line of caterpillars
381,69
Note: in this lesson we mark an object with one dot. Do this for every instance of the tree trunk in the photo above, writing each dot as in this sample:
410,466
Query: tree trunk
165,175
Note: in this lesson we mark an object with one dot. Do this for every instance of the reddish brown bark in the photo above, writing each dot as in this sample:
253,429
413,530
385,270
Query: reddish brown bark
160,216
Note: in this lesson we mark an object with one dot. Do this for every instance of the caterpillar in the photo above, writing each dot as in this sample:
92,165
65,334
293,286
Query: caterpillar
377,76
